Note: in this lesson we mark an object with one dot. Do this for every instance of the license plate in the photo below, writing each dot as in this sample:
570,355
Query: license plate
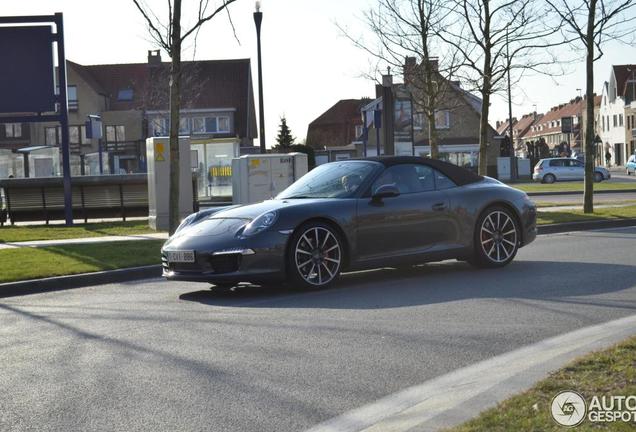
180,256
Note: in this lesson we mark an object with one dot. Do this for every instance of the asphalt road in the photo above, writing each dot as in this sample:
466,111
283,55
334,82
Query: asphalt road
176,356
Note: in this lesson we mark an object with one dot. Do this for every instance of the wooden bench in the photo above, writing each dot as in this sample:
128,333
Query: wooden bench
42,199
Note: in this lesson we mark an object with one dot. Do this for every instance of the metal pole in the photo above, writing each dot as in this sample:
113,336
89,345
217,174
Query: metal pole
66,164
258,18
510,129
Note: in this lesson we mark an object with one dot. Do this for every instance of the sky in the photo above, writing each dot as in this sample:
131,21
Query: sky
308,65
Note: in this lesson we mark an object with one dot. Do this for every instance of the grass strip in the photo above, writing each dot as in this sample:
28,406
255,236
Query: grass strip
572,186
611,373
33,263
60,232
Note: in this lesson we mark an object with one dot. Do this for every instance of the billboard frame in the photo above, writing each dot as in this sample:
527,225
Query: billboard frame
62,99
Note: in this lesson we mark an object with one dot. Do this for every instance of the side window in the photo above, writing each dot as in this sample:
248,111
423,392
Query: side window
577,163
556,163
442,182
426,177
408,178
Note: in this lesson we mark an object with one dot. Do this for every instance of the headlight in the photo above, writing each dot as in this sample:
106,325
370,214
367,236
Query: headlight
261,223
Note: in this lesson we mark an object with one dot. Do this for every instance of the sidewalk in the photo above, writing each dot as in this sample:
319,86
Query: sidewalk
44,243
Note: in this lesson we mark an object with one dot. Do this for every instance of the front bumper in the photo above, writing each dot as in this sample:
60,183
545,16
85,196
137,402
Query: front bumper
226,260
537,177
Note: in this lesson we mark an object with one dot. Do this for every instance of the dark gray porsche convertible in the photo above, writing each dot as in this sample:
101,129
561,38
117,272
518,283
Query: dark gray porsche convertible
355,214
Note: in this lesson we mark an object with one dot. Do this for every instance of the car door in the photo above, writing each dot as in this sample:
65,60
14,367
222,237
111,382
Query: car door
410,223
577,169
558,168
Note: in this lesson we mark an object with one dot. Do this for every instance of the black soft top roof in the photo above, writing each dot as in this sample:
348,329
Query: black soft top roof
461,176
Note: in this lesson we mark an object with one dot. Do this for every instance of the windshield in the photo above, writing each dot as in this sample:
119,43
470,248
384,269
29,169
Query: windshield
332,180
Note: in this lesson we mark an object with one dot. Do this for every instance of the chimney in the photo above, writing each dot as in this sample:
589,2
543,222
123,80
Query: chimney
434,63
409,70
154,57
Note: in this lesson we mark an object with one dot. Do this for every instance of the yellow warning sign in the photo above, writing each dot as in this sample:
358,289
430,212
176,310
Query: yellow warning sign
255,163
159,149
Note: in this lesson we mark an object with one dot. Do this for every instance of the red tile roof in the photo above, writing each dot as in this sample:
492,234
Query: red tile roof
572,109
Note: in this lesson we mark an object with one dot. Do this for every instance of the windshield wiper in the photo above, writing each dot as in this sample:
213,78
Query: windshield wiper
298,197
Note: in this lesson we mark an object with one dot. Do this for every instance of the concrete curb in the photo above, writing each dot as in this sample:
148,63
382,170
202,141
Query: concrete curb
56,283
586,225
579,192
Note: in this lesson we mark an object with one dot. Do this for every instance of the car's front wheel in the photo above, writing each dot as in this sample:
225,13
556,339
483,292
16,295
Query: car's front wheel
315,257
497,237
598,177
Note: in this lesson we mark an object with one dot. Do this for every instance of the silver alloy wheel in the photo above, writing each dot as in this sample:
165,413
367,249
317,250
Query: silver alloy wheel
498,236
317,256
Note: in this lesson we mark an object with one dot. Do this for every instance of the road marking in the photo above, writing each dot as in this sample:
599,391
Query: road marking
421,403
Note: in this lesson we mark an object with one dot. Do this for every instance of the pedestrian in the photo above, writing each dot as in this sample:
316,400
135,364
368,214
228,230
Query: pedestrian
608,158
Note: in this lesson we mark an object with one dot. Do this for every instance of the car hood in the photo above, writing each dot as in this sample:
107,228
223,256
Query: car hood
228,221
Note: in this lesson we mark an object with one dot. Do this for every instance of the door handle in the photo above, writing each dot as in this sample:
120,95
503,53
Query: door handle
439,206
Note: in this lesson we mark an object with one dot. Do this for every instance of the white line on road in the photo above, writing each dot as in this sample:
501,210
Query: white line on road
418,405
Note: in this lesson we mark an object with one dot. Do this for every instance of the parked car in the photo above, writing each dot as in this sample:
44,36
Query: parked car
355,214
564,169
630,166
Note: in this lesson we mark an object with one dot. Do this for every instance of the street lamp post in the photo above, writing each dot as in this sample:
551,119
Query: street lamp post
258,18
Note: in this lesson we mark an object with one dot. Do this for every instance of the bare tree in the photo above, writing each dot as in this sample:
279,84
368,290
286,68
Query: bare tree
497,38
589,24
170,37
407,29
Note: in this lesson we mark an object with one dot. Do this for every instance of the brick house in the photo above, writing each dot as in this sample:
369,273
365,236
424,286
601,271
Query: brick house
519,129
338,126
547,128
457,121
132,99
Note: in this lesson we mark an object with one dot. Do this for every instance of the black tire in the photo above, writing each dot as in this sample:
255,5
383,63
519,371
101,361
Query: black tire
496,238
548,178
598,177
315,256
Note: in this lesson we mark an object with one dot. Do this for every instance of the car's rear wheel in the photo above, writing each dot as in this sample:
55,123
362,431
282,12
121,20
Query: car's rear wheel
497,237
598,177
549,178
315,256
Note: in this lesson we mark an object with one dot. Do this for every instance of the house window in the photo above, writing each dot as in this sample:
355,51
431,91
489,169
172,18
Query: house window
13,130
159,126
603,123
614,122
223,124
125,94
620,120
210,125
418,121
359,131
442,119
52,135
77,135
198,125
115,133
71,93
184,125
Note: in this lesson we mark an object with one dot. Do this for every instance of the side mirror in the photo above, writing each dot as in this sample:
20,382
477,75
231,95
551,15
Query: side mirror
385,191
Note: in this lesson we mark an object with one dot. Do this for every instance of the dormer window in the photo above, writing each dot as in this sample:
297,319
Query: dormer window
125,95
